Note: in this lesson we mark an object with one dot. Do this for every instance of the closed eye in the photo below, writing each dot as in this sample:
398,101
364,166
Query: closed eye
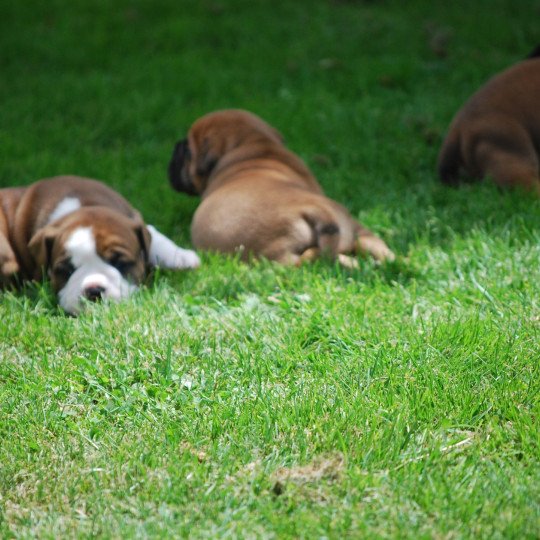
63,270
121,264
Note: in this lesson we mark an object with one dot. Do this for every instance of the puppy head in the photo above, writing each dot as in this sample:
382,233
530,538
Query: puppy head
92,254
209,140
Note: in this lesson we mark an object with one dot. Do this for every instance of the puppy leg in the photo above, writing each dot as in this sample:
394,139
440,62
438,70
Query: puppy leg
508,170
283,252
370,244
289,254
315,253
166,254
8,261
510,160
344,260
313,235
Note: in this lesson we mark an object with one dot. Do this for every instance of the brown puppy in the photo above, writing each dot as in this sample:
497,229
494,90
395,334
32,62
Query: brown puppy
260,198
497,132
87,237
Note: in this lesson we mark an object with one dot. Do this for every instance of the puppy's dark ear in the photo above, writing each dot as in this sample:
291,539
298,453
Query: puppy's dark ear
206,160
143,235
535,53
180,154
41,246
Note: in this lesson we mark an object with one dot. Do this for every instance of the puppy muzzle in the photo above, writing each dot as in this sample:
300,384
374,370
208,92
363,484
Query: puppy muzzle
94,293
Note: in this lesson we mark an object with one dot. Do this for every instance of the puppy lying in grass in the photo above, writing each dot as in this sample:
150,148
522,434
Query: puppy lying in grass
88,239
260,198
496,133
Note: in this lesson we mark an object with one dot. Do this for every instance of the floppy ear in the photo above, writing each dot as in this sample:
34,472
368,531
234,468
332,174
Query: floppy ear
179,169
178,159
278,135
41,245
206,160
143,235
181,151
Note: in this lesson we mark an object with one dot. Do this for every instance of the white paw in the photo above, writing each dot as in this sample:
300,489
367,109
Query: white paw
166,254
184,258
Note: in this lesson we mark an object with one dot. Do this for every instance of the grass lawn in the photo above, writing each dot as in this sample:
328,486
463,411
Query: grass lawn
255,401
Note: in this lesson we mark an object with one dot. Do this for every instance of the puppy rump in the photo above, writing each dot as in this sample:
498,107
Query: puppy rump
496,133
258,197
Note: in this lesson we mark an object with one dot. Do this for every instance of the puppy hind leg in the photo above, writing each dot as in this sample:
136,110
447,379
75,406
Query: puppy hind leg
310,254
282,250
322,241
511,162
290,258
308,237
166,254
370,244
8,260
510,171
313,253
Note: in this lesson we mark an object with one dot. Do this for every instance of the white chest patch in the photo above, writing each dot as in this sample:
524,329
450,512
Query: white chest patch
64,207
91,273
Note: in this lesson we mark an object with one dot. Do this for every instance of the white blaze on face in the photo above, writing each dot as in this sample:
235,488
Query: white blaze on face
64,207
91,271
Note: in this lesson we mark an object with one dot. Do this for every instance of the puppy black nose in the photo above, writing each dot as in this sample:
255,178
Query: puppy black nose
94,293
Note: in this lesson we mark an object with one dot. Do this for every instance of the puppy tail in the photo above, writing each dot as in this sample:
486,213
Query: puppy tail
325,234
328,238
449,162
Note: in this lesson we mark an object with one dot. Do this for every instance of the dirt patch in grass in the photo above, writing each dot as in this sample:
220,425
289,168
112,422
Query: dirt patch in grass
327,468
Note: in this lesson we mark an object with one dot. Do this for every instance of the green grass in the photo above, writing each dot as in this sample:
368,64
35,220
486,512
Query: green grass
254,401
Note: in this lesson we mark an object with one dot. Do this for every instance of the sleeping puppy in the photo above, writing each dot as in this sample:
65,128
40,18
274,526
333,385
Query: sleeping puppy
497,132
88,239
259,198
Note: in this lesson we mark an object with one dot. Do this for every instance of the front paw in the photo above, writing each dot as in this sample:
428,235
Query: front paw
166,254
185,258
8,267
176,258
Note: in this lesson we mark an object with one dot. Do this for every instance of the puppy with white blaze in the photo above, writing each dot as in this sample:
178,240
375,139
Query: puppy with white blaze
86,237
92,277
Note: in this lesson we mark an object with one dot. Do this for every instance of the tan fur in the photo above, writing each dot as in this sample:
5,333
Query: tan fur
26,236
260,198
9,200
496,133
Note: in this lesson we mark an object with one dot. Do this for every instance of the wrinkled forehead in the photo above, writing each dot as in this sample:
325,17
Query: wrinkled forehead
218,125
83,242
225,129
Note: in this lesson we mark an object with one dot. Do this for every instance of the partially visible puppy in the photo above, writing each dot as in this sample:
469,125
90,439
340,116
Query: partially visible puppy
260,198
88,239
496,133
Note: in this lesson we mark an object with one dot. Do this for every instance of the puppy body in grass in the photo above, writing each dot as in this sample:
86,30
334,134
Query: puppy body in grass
86,237
496,134
259,197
